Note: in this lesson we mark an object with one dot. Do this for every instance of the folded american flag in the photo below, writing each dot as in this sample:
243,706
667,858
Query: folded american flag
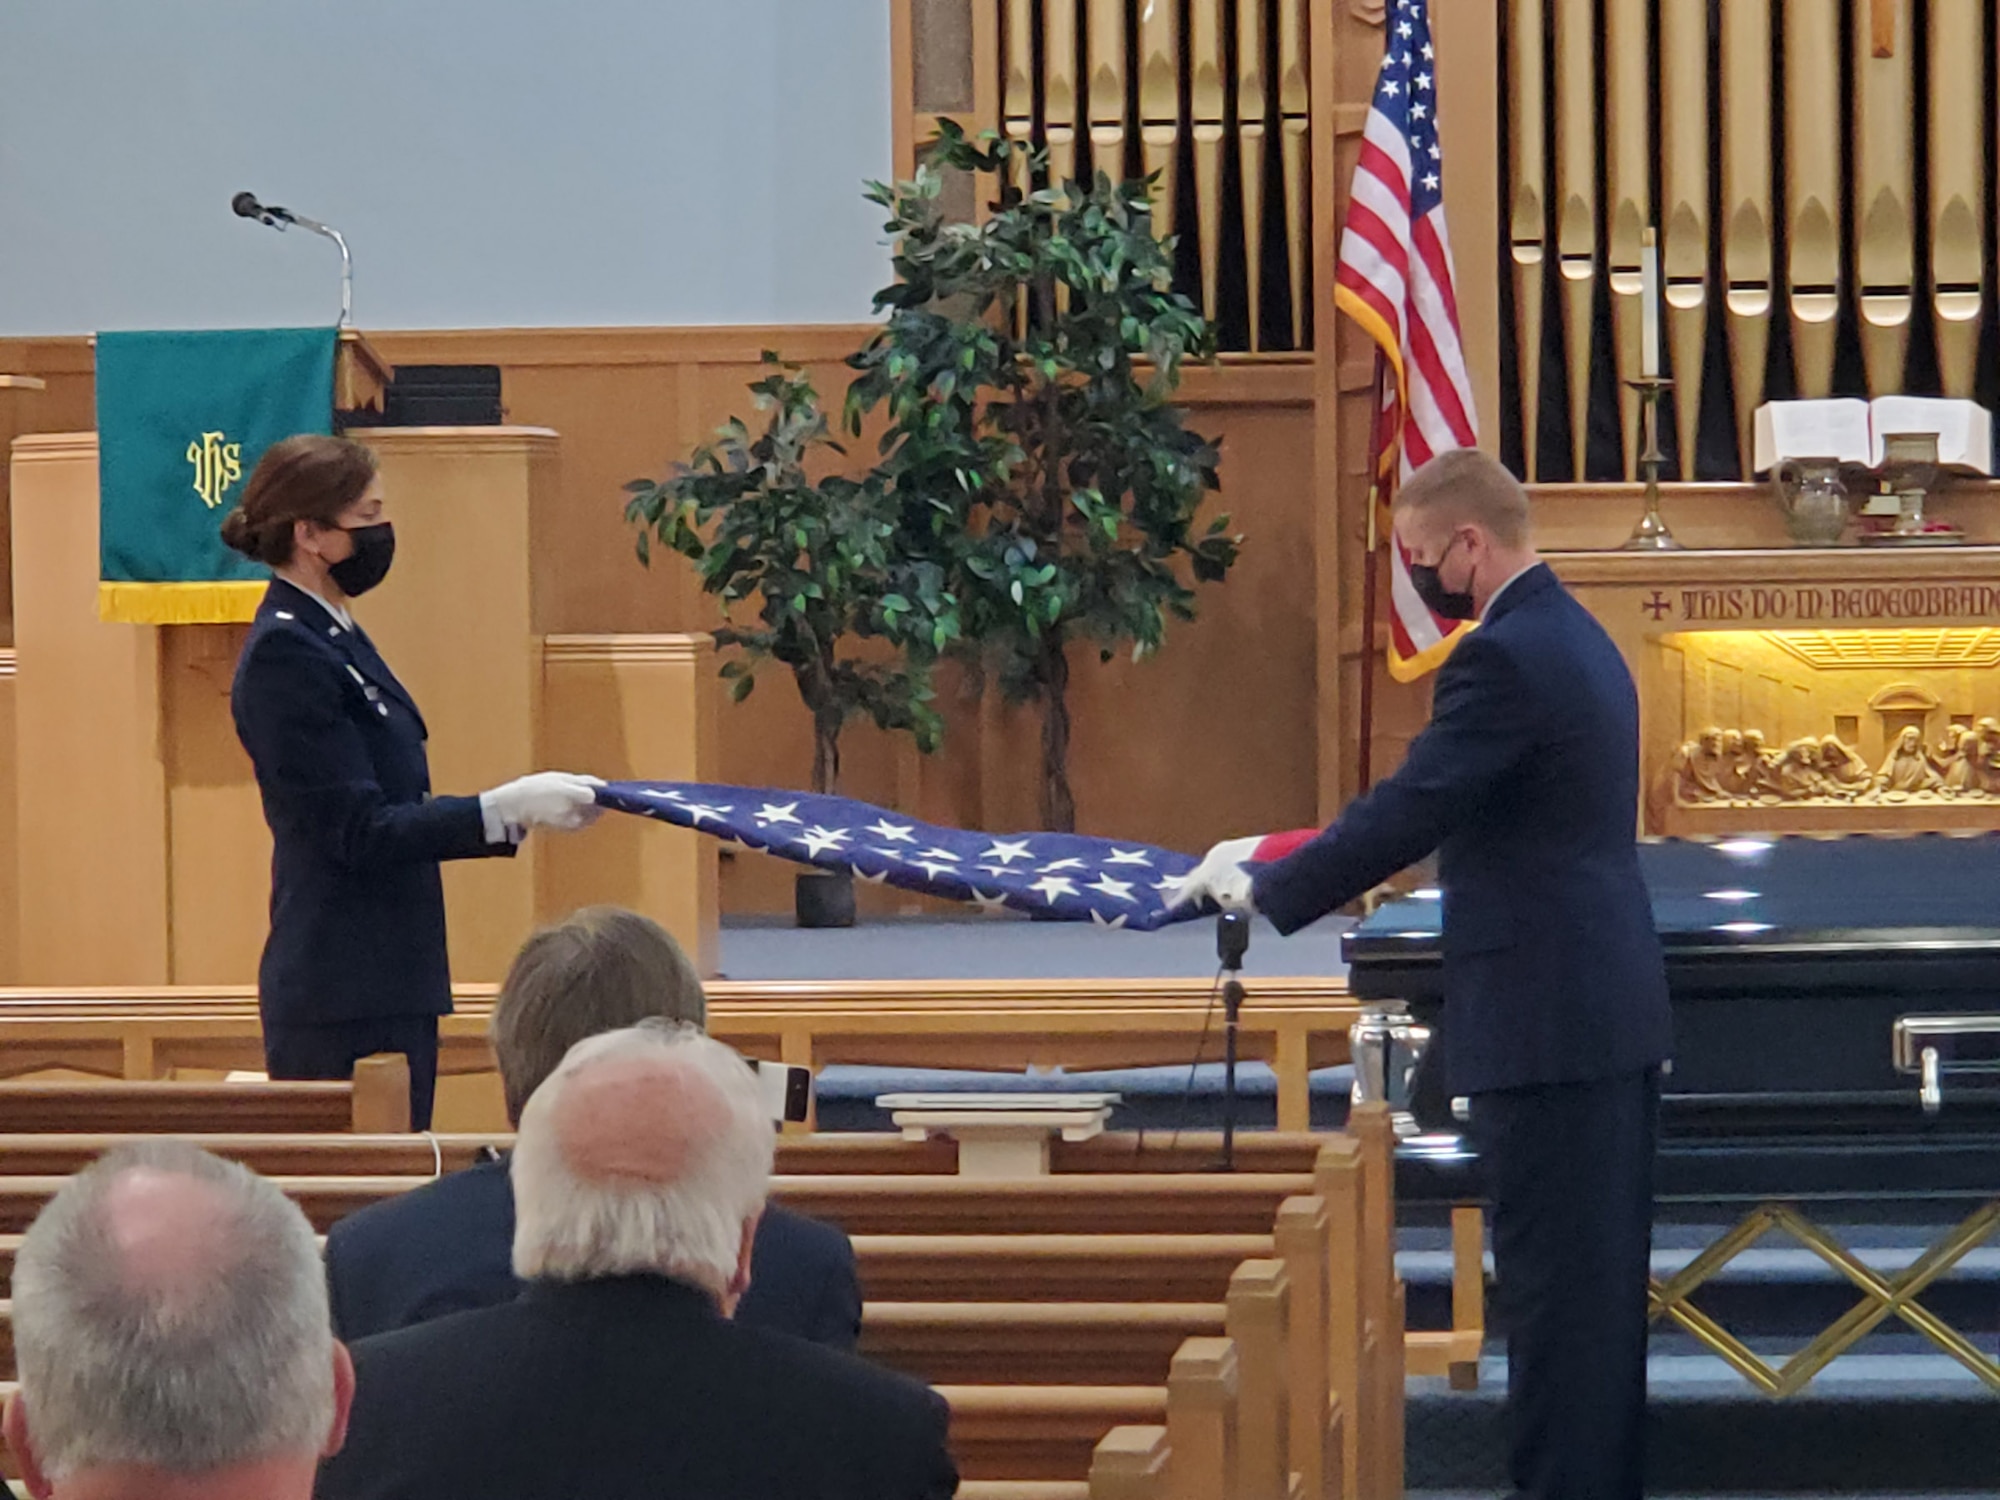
1063,875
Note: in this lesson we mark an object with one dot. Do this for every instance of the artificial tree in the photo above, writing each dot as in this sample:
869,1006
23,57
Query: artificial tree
821,559
1025,370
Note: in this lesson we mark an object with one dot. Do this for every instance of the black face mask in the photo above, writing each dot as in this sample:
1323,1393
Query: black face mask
368,564
1438,599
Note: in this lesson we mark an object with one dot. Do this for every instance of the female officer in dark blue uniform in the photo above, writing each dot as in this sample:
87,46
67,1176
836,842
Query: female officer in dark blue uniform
355,963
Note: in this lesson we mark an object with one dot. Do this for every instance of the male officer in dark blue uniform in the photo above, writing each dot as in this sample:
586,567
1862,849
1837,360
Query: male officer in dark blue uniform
1556,1021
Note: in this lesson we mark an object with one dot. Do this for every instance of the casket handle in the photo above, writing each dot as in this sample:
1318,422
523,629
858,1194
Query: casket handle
1930,1046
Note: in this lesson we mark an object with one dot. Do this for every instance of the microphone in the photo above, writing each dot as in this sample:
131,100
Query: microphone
246,206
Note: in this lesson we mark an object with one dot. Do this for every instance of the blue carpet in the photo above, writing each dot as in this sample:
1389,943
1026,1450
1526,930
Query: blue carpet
1010,947
1182,1097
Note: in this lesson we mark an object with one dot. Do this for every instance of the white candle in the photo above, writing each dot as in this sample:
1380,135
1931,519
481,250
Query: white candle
1649,306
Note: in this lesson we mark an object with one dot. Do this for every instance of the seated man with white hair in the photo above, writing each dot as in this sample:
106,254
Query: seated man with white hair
639,1173
171,1335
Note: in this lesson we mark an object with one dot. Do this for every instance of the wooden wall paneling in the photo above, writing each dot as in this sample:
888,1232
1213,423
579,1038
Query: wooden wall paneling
475,512
219,848
84,918
19,397
1298,93
1208,92
903,85
1333,145
1629,151
1747,207
1253,102
1812,187
1684,241
10,884
1160,102
1959,122
1885,190
1527,204
629,401
1576,201
1226,707
1059,86
634,708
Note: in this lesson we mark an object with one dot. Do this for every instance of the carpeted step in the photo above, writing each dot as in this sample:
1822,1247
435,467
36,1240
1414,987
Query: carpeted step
1887,1424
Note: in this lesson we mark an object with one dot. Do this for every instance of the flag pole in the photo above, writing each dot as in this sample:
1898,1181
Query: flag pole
1369,572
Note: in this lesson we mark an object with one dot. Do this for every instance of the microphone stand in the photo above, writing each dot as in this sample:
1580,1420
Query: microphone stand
1232,942
274,217
327,231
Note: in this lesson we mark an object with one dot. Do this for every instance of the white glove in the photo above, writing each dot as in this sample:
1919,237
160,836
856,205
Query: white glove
547,799
1220,877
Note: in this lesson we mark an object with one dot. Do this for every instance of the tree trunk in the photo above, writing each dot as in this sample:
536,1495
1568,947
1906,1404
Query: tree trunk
826,756
1058,805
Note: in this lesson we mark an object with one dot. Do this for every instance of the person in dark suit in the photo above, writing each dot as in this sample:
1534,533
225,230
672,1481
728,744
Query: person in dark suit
448,1246
355,961
1556,1019
641,1166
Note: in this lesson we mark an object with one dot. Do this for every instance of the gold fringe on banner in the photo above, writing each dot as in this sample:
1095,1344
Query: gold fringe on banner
233,603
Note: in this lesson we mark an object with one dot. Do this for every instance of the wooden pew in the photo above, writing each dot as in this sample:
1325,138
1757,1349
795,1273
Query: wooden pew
1082,1203
1296,1025
277,1154
1114,1203
833,1154
376,1101
1033,1343
1049,1267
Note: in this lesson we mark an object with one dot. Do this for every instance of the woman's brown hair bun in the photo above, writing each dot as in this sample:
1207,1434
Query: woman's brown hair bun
306,478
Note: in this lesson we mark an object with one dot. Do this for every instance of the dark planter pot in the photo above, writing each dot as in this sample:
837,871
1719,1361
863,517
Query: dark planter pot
824,898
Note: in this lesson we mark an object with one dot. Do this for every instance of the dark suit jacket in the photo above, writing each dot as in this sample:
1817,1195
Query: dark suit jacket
357,906
449,1245
632,1387
1526,781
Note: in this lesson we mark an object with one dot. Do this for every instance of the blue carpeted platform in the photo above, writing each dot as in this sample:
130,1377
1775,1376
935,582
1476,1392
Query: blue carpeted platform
1170,1098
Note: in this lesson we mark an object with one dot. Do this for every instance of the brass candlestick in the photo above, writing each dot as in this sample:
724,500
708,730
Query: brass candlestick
1651,534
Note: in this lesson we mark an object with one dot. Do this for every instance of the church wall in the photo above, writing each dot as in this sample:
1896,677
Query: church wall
492,162
1214,737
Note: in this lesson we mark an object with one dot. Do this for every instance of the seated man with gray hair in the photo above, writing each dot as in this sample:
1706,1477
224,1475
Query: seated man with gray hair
445,1247
171,1335
640,1172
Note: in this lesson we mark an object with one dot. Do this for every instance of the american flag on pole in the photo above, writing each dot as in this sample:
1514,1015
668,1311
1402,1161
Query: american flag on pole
1068,876
1395,280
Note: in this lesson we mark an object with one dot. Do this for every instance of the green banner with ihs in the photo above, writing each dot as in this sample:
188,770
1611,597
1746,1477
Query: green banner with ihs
182,419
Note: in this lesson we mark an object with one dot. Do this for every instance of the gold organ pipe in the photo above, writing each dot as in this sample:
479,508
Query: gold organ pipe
1684,184
1576,197
1627,125
1885,190
1746,204
1252,100
1107,87
1059,91
1017,108
1812,170
1527,214
1958,188
1207,95
1017,90
1160,100
1295,110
